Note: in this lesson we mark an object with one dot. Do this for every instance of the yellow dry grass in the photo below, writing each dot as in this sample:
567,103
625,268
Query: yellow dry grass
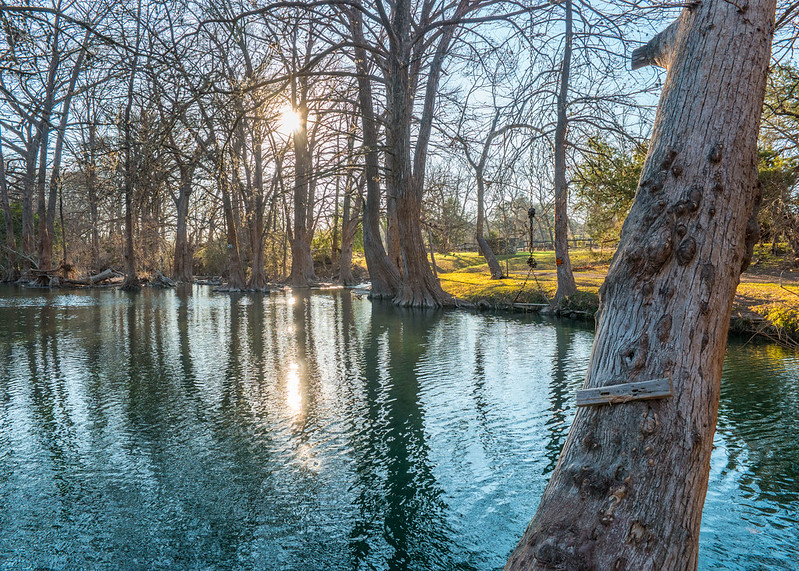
465,275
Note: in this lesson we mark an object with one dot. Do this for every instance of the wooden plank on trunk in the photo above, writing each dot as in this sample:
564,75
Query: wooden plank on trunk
625,392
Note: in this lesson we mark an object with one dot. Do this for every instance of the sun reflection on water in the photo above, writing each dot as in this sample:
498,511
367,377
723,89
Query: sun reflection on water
293,394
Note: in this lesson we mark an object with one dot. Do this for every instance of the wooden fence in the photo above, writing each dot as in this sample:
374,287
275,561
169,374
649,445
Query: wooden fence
577,242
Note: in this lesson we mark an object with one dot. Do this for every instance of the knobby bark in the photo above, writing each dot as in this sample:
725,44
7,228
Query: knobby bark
631,480
565,276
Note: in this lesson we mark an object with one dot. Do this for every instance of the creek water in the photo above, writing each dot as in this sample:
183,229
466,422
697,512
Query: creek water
192,430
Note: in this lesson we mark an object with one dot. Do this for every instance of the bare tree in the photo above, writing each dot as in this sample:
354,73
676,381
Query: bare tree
131,278
47,233
566,284
408,45
302,269
505,120
350,220
382,272
10,240
28,98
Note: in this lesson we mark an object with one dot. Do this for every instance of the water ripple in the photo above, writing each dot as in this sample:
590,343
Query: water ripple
187,429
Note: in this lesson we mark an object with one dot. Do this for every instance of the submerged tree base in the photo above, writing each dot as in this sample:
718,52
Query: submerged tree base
423,298
226,289
131,285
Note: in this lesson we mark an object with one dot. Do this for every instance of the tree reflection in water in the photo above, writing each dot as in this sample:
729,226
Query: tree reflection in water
319,430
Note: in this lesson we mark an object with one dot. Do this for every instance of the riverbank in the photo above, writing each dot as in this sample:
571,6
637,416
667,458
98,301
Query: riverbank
766,303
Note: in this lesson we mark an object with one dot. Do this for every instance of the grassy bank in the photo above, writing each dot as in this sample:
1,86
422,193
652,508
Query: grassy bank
466,276
767,300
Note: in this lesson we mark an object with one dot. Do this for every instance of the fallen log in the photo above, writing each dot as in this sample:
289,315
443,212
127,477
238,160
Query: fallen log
106,274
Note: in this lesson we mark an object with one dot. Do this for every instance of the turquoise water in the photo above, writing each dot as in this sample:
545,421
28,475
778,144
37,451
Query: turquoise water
196,430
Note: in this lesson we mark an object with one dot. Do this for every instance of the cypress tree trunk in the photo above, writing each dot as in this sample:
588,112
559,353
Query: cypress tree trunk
183,258
236,279
566,285
302,270
45,242
631,480
482,243
258,274
10,273
28,186
348,229
349,216
393,242
418,287
131,279
382,273
55,174
92,192
335,247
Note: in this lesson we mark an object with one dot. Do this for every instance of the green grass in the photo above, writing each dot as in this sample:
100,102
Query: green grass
474,262
465,275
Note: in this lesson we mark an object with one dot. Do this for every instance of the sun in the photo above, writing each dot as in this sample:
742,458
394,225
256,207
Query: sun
289,121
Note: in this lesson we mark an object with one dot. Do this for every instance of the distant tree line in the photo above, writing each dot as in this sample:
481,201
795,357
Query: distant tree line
270,141
606,177
262,140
